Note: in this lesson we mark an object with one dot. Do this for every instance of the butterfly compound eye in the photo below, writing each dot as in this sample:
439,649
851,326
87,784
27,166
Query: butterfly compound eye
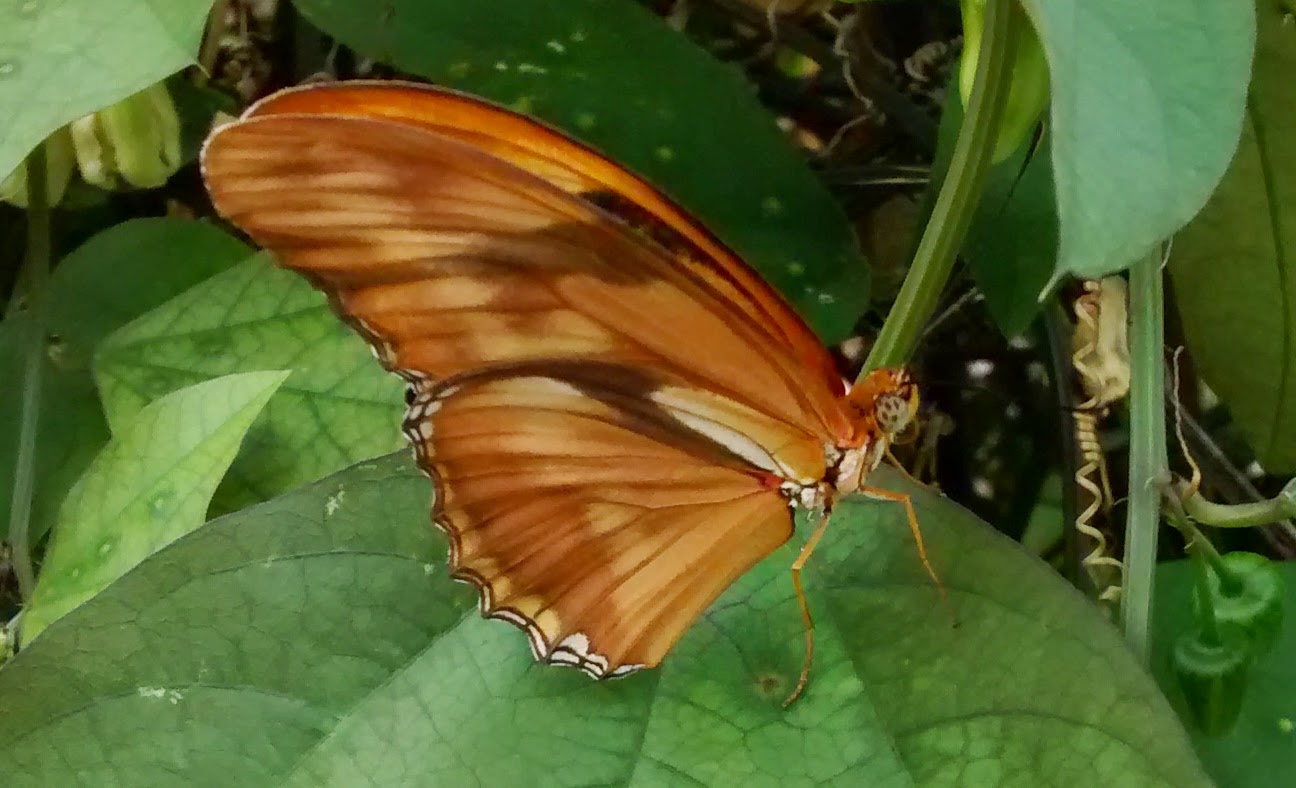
893,413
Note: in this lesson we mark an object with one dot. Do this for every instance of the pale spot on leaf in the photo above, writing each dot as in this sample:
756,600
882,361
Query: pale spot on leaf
160,693
162,505
334,503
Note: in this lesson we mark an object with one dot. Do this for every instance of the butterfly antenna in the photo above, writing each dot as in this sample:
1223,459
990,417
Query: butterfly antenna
970,296
807,622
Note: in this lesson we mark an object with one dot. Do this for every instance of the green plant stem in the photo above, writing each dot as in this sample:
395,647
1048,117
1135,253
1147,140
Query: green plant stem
1209,627
1241,515
1198,545
957,201
1148,462
36,265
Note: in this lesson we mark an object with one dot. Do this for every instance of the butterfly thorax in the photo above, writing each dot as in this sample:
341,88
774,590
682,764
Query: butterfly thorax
856,463
879,407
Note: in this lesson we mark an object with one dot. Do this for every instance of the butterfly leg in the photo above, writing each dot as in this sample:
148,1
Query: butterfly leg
903,470
903,498
807,622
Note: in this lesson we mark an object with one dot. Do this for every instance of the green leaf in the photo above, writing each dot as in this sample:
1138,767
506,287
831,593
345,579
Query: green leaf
694,128
109,280
317,640
1260,749
198,107
149,486
62,60
338,407
1011,245
1147,106
1233,279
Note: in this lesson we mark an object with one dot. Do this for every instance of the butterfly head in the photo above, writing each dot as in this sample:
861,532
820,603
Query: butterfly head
895,410
880,406
885,403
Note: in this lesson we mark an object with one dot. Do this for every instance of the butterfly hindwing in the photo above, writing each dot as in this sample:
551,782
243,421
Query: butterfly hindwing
588,516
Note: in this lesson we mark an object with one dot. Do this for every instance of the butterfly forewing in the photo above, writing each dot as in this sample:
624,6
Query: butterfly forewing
573,168
608,407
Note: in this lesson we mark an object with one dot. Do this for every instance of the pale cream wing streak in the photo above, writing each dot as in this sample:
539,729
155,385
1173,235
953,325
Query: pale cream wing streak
602,531
763,443
704,422
619,292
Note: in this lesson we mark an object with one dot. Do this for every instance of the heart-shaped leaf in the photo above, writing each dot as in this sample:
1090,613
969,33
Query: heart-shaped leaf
62,60
338,407
1146,110
317,640
105,283
1232,277
149,486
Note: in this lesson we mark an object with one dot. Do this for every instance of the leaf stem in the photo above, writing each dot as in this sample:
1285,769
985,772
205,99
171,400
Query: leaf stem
1240,515
957,201
1148,462
36,275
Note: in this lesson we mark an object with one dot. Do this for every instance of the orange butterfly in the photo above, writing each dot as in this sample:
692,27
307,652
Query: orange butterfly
619,415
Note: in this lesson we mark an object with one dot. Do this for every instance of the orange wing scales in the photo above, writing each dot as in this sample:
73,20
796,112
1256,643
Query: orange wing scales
573,168
616,411
578,524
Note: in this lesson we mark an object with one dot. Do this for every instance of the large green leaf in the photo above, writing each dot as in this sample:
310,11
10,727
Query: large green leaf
149,486
338,407
614,75
108,281
1260,750
1147,106
1233,277
317,640
1113,174
60,60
